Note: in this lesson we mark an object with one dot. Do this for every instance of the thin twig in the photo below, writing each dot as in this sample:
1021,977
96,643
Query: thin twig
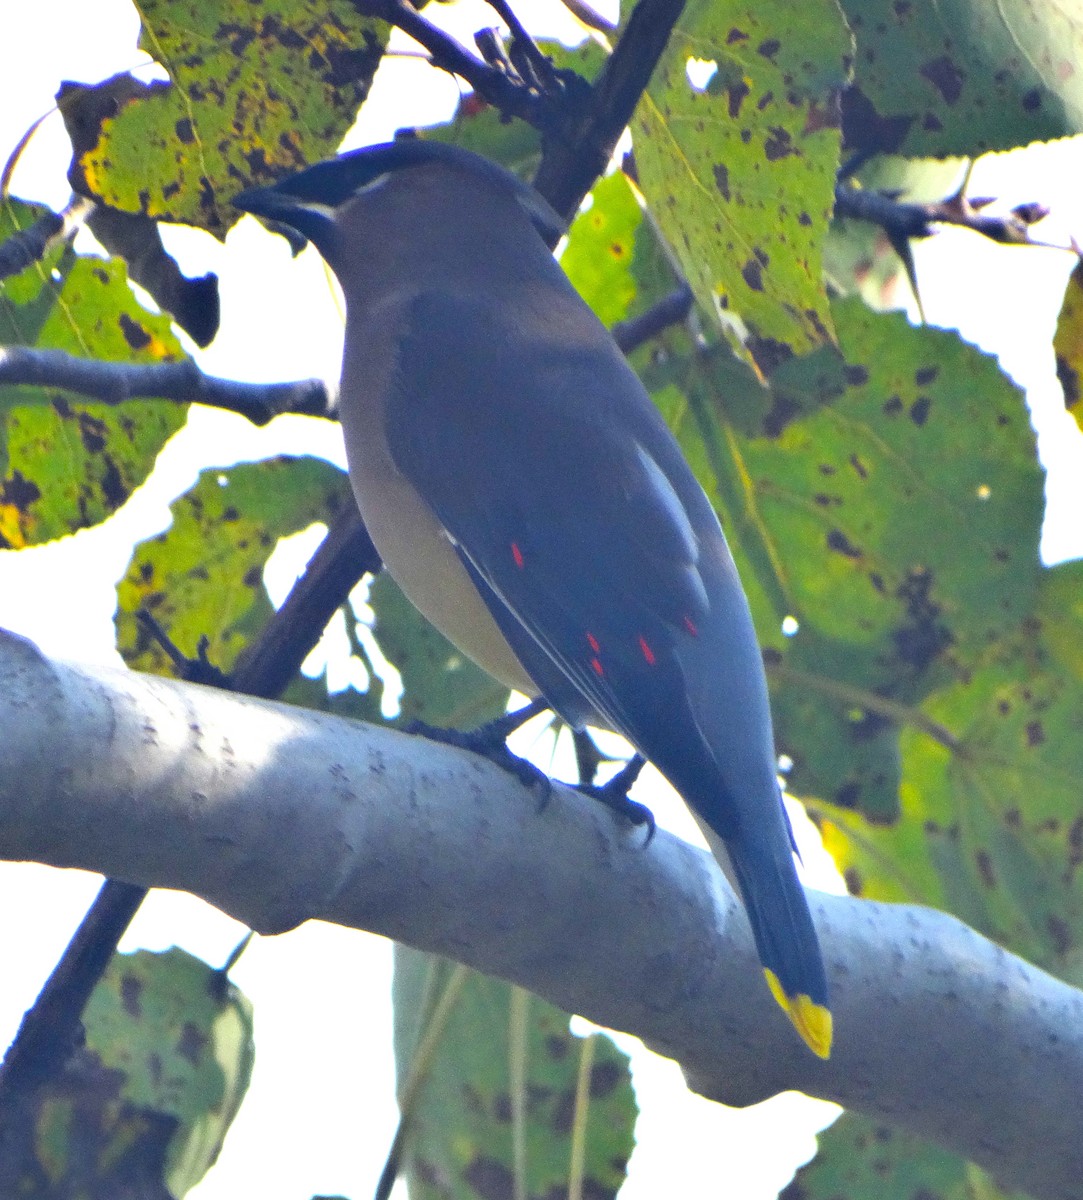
670,310
445,52
183,382
905,219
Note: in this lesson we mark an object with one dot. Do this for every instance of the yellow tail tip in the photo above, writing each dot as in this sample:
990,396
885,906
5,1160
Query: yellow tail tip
811,1020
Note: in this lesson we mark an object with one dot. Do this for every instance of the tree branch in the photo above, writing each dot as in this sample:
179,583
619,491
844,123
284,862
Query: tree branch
903,220
284,815
48,1032
184,382
491,84
670,310
580,150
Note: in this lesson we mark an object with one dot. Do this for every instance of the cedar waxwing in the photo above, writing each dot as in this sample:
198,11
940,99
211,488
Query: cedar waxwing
530,500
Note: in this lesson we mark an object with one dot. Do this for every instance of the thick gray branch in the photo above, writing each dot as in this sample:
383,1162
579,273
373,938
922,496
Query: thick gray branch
278,815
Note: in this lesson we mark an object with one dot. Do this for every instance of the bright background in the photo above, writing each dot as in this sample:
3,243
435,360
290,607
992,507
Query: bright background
319,1117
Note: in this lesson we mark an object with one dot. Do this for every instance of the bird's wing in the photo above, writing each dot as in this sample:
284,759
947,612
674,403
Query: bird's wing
551,471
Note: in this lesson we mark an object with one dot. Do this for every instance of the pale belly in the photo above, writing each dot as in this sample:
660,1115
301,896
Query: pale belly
414,547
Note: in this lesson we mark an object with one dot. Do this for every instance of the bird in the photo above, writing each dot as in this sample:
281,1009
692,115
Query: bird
528,497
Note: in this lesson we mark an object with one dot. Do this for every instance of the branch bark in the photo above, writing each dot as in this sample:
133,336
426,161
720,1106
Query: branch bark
183,381
277,816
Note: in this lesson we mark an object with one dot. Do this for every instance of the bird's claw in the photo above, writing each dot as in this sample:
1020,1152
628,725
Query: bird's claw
489,741
614,795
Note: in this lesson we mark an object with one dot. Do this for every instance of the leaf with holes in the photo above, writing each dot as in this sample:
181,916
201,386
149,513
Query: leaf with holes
203,577
739,170
256,92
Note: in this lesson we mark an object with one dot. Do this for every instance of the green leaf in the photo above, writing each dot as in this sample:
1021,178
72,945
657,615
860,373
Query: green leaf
495,1089
203,577
989,826
148,1100
257,91
740,175
441,686
66,464
859,1158
940,77
1068,345
601,241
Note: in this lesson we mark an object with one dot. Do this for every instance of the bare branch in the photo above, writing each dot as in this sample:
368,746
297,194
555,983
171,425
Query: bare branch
580,151
491,84
183,382
302,816
903,220
670,310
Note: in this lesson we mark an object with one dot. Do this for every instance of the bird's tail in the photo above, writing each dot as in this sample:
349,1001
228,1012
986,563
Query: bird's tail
782,928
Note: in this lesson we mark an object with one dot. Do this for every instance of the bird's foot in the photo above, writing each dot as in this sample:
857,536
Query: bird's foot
614,795
490,742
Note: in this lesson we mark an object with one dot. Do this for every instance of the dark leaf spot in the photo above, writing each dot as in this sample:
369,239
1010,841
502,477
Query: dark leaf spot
737,93
859,467
134,333
557,1047
893,405
253,577
854,883
946,77
1069,381
722,180
985,868
604,1078
752,274
113,488
1035,734
1059,933
490,1179
92,433
842,545
1031,100
131,995
185,133
923,376
778,145
769,48
919,410
922,637
192,1043
856,375
769,353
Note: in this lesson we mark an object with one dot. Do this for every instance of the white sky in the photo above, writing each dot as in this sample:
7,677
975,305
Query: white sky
319,1116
